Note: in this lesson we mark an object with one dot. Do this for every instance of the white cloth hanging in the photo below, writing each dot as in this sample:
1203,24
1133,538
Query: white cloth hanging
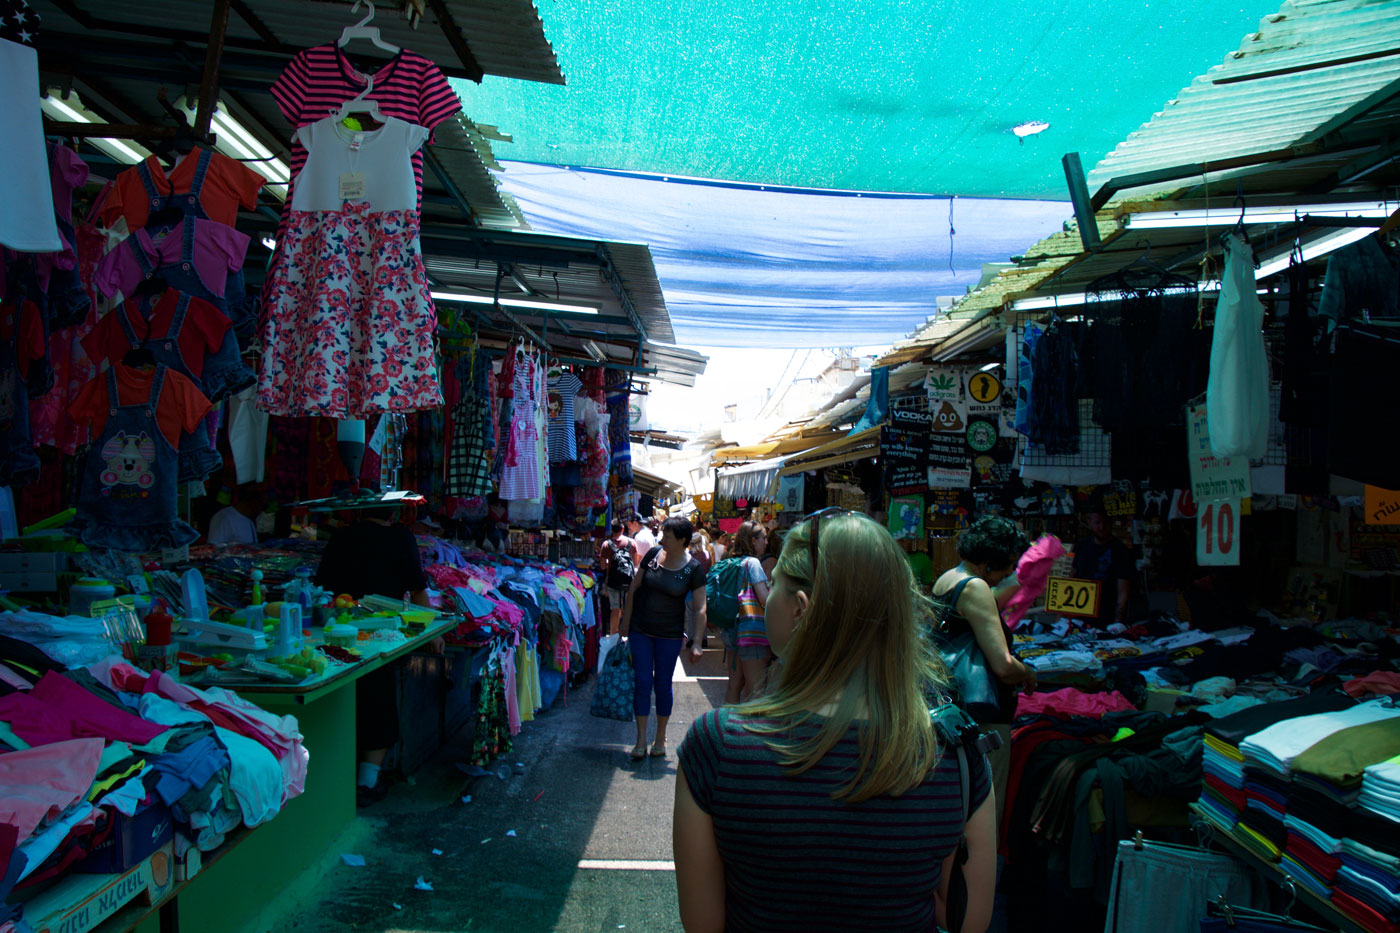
1237,393
27,224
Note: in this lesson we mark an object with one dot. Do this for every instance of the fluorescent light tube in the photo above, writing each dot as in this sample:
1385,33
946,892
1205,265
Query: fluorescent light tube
594,351
1319,247
1224,216
114,147
512,303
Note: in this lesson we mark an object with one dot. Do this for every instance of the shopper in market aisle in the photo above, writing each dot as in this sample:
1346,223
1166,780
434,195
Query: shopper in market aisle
638,531
969,597
1100,556
748,641
654,620
375,555
841,761
617,559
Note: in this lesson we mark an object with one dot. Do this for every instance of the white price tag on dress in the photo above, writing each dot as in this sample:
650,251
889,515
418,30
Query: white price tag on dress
352,186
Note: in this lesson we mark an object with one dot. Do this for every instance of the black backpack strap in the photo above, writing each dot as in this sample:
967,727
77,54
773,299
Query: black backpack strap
956,909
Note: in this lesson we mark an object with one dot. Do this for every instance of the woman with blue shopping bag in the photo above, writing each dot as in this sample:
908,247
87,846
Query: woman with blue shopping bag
653,622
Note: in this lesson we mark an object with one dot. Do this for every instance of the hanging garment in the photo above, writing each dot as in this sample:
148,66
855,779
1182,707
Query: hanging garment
205,250
247,437
1362,283
468,470
1024,370
1237,393
207,182
347,320
1054,409
227,372
27,222
58,272
593,436
562,387
520,473
318,80
21,338
1365,360
178,332
128,495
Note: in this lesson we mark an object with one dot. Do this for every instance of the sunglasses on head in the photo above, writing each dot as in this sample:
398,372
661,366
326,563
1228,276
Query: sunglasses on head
815,519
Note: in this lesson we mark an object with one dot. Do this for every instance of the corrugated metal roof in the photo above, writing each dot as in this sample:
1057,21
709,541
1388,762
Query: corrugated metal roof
637,270
506,37
465,154
1307,68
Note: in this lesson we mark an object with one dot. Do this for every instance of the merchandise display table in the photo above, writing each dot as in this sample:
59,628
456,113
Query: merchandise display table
303,832
1276,874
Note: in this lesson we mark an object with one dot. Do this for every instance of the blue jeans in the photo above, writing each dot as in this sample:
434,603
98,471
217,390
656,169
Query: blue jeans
654,661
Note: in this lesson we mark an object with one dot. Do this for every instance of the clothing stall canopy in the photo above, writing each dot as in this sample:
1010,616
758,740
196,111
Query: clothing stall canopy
754,481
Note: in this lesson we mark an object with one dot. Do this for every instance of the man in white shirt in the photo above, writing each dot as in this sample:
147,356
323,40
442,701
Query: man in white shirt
641,536
237,523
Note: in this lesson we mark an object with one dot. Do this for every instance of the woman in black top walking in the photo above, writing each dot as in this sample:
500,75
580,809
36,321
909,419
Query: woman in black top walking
654,617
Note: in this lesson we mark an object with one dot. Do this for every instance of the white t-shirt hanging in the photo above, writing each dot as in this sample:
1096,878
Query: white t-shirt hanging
27,223
344,165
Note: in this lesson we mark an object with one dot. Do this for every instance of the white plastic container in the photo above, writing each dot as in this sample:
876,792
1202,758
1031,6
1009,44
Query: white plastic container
85,592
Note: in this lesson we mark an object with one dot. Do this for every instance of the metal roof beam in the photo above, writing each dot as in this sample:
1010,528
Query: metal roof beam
461,201
624,299
1357,169
1138,179
454,39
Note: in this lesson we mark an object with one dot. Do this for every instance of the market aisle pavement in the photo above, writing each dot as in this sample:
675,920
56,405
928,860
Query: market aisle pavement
575,797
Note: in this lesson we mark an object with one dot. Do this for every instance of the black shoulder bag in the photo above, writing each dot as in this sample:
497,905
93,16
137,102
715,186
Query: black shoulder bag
976,689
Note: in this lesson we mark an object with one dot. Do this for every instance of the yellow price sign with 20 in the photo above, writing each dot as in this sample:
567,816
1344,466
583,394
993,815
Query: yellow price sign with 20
1068,596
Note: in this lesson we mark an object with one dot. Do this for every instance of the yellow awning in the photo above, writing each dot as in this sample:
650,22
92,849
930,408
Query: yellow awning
844,450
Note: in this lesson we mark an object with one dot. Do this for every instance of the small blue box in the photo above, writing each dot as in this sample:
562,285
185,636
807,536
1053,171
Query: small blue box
132,838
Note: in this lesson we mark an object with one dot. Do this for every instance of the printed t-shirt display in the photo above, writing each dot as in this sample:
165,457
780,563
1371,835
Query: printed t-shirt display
348,323
660,600
227,186
318,80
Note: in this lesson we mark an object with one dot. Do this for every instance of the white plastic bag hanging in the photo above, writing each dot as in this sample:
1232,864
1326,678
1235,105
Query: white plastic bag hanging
1237,393
606,644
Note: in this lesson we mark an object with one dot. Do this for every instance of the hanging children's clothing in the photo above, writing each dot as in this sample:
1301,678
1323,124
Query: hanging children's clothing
208,252
562,386
178,331
318,80
348,323
204,184
128,489
468,467
520,471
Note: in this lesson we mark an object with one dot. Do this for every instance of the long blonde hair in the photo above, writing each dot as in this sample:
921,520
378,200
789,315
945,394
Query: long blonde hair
863,639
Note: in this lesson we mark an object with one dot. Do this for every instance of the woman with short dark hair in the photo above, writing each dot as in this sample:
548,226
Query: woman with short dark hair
666,577
969,597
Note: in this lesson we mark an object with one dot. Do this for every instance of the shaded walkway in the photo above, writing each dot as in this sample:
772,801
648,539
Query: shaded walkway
575,797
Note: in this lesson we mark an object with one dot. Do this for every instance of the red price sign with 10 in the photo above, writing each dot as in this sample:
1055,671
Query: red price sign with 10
1218,533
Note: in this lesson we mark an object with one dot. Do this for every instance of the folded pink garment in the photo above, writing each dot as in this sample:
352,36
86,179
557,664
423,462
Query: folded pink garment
1033,570
99,716
1073,702
1377,683
40,783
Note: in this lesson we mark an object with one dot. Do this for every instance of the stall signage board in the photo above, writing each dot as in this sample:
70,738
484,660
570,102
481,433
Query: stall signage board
1213,479
1218,534
943,385
1382,506
1068,596
904,447
949,465
983,393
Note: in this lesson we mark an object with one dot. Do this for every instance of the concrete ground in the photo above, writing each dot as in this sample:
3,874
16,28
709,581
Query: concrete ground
574,799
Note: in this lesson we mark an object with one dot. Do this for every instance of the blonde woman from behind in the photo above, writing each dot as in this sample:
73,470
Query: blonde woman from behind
828,803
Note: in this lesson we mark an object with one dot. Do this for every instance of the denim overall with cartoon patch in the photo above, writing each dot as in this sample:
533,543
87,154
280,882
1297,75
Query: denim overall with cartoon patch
225,373
128,487
198,459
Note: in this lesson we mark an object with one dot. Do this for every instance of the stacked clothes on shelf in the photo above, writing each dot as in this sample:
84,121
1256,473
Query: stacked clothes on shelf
87,746
1289,782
